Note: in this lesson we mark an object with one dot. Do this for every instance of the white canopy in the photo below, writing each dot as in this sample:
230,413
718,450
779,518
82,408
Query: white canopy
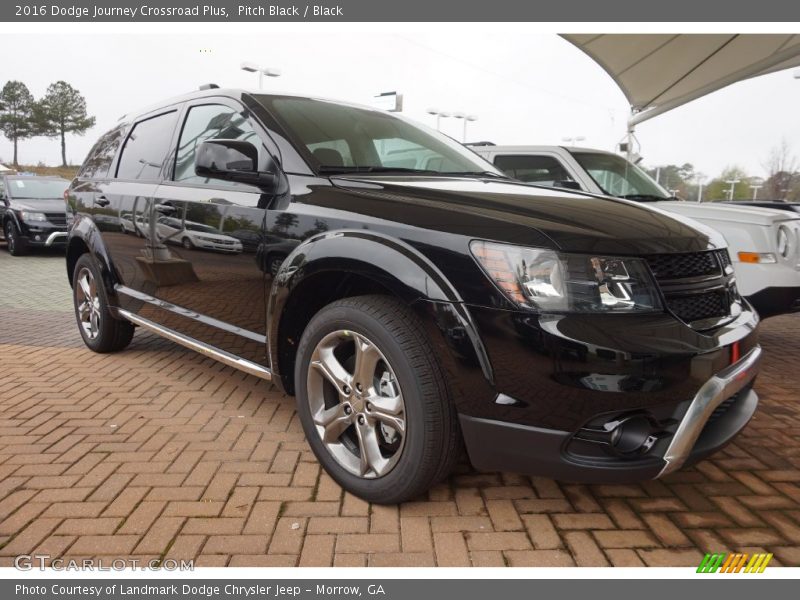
659,72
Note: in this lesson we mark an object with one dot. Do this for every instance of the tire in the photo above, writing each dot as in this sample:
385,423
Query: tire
16,245
407,464
100,331
187,243
274,263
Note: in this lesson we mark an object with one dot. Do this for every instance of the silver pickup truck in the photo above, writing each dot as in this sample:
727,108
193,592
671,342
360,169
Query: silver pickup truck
764,243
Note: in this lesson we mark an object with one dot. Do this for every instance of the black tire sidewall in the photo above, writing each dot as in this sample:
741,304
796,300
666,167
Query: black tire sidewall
103,339
13,241
382,489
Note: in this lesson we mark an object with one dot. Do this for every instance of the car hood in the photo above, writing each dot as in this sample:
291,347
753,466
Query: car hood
508,211
712,211
46,205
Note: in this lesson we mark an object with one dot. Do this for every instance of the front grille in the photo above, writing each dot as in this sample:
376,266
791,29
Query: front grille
59,218
683,266
697,286
699,306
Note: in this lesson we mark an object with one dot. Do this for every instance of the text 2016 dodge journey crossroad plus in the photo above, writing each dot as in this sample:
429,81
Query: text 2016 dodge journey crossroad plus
412,311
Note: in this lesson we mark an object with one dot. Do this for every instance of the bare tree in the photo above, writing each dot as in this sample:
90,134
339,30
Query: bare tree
781,168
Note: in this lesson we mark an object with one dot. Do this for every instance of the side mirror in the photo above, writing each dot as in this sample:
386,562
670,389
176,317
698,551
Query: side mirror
233,160
567,184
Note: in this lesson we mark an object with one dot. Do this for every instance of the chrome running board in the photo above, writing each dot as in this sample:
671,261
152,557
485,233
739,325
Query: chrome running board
184,340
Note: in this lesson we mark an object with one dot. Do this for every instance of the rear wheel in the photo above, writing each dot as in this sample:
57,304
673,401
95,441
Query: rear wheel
373,401
17,246
100,331
187,243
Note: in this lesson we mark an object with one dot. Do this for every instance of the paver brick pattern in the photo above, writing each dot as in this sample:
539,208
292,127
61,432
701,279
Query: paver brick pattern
158,452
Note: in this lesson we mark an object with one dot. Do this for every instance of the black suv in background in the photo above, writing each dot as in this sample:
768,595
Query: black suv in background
32,212
421,299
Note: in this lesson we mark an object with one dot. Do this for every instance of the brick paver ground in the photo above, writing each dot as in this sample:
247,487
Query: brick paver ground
159,452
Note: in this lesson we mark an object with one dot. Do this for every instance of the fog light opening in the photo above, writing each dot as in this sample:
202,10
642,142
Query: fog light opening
632,435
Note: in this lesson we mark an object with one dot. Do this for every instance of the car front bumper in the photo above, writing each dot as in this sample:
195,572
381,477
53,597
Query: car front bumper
46,237
550,392
705,426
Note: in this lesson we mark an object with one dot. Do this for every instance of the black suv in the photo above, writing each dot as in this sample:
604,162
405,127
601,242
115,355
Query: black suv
32,212
422,299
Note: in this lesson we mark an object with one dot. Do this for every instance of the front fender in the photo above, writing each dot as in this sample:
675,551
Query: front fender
390,262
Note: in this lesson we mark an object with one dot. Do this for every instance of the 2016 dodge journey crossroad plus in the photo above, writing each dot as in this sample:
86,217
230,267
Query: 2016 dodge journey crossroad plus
412,311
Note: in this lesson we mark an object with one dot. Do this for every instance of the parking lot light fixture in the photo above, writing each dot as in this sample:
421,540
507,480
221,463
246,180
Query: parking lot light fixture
732,183
465,118
262,71
439,114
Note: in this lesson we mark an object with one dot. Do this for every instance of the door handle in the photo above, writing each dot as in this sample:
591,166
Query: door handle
102,201
164,209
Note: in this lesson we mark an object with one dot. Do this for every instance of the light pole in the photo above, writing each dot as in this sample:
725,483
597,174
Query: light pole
755,185
732,183
700,179
466,119
439,114
571,140
254,68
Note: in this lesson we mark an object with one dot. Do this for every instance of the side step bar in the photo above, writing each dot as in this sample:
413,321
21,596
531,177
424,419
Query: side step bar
217,354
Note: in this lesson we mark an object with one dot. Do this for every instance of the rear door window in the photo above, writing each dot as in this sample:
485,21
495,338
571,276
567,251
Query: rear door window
101,156
146,148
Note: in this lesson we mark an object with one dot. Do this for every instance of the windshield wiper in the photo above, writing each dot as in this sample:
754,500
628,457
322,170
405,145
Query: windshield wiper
473,174
646,197
334,170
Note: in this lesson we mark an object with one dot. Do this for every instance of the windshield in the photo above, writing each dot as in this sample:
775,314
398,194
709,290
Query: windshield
31,188
338,138
618,177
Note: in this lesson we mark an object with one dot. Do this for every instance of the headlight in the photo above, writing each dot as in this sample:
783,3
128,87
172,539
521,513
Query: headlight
549,281
32,216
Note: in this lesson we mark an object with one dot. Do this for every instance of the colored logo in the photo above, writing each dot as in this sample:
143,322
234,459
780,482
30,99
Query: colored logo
734,563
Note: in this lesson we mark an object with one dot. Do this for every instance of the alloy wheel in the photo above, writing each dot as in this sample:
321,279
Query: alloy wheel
88,303
356,404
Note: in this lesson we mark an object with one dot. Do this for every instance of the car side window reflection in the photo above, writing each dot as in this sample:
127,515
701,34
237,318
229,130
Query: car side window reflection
206,122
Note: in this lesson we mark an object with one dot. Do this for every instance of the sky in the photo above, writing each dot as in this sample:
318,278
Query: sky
525,88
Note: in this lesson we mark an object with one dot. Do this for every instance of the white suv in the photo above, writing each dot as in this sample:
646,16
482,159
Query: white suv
764,244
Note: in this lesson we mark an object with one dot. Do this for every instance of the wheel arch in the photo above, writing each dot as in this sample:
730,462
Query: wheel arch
84,236
342,264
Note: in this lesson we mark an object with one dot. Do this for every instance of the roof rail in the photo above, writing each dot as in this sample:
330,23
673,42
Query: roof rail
480,144
209,86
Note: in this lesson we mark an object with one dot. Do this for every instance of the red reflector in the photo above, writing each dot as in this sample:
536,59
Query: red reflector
735,353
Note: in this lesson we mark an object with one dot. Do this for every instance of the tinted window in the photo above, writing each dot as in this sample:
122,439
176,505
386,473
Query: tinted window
100,157
544,170
207,122
147,145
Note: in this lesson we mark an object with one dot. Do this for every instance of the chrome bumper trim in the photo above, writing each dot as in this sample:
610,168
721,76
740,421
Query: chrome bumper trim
719,388
205,349
54,236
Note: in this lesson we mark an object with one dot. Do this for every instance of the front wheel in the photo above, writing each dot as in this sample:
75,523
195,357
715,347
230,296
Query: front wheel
373,400
17,246
100,331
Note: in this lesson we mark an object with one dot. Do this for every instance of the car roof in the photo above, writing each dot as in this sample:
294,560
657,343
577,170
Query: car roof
538,148
233,93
